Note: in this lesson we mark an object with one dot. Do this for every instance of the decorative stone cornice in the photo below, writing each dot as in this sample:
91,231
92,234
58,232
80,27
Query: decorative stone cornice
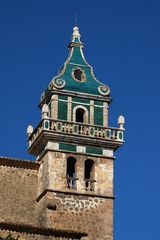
46,98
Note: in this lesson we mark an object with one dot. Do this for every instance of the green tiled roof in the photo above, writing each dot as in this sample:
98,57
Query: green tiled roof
66,79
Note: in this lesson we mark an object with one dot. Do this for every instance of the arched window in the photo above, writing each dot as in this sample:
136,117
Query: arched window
80,115
71,172
89,175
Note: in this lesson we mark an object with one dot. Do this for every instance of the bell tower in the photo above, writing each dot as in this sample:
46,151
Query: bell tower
75,148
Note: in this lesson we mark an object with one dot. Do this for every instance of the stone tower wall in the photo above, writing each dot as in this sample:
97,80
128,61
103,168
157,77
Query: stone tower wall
75,212
77,209
52,172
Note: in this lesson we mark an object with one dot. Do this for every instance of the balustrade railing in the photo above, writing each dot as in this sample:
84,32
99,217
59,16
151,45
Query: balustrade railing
89,184
71,182
75,128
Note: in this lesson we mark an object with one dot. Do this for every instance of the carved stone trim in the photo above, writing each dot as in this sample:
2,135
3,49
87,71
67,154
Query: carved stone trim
104,90
58,83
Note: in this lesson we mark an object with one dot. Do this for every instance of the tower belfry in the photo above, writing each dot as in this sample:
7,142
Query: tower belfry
75,149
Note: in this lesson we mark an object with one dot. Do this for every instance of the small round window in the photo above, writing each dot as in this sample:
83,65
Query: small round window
79,75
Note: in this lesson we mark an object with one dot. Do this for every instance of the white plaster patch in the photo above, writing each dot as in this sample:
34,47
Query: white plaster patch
81,149
108,152
52,146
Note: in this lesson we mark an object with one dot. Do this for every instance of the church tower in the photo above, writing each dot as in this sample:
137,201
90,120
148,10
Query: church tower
75,149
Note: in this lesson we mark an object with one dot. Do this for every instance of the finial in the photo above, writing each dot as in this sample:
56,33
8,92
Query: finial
29,129
76,32
121,121
76,29
75,38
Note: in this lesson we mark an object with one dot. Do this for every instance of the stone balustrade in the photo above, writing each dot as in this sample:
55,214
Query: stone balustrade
71,182
89,184
75,128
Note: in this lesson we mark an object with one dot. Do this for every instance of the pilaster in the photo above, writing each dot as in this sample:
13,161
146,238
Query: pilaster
92,112
69,115
105,114
54,107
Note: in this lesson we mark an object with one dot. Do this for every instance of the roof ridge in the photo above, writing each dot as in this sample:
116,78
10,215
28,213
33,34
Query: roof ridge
34,229
19,163
17,159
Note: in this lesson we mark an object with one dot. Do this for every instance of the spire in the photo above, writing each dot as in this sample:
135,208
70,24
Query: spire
76,74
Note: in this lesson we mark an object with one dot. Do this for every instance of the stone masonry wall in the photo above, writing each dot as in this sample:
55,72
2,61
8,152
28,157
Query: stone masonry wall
88,214
18,191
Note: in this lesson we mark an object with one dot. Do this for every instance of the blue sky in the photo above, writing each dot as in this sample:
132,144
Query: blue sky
122,43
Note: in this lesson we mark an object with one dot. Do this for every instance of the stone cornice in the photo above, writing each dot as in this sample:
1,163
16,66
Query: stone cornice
88,194
75,153
74,94
46,136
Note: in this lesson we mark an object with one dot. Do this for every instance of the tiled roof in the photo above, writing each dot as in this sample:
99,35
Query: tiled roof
19,163
30,229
